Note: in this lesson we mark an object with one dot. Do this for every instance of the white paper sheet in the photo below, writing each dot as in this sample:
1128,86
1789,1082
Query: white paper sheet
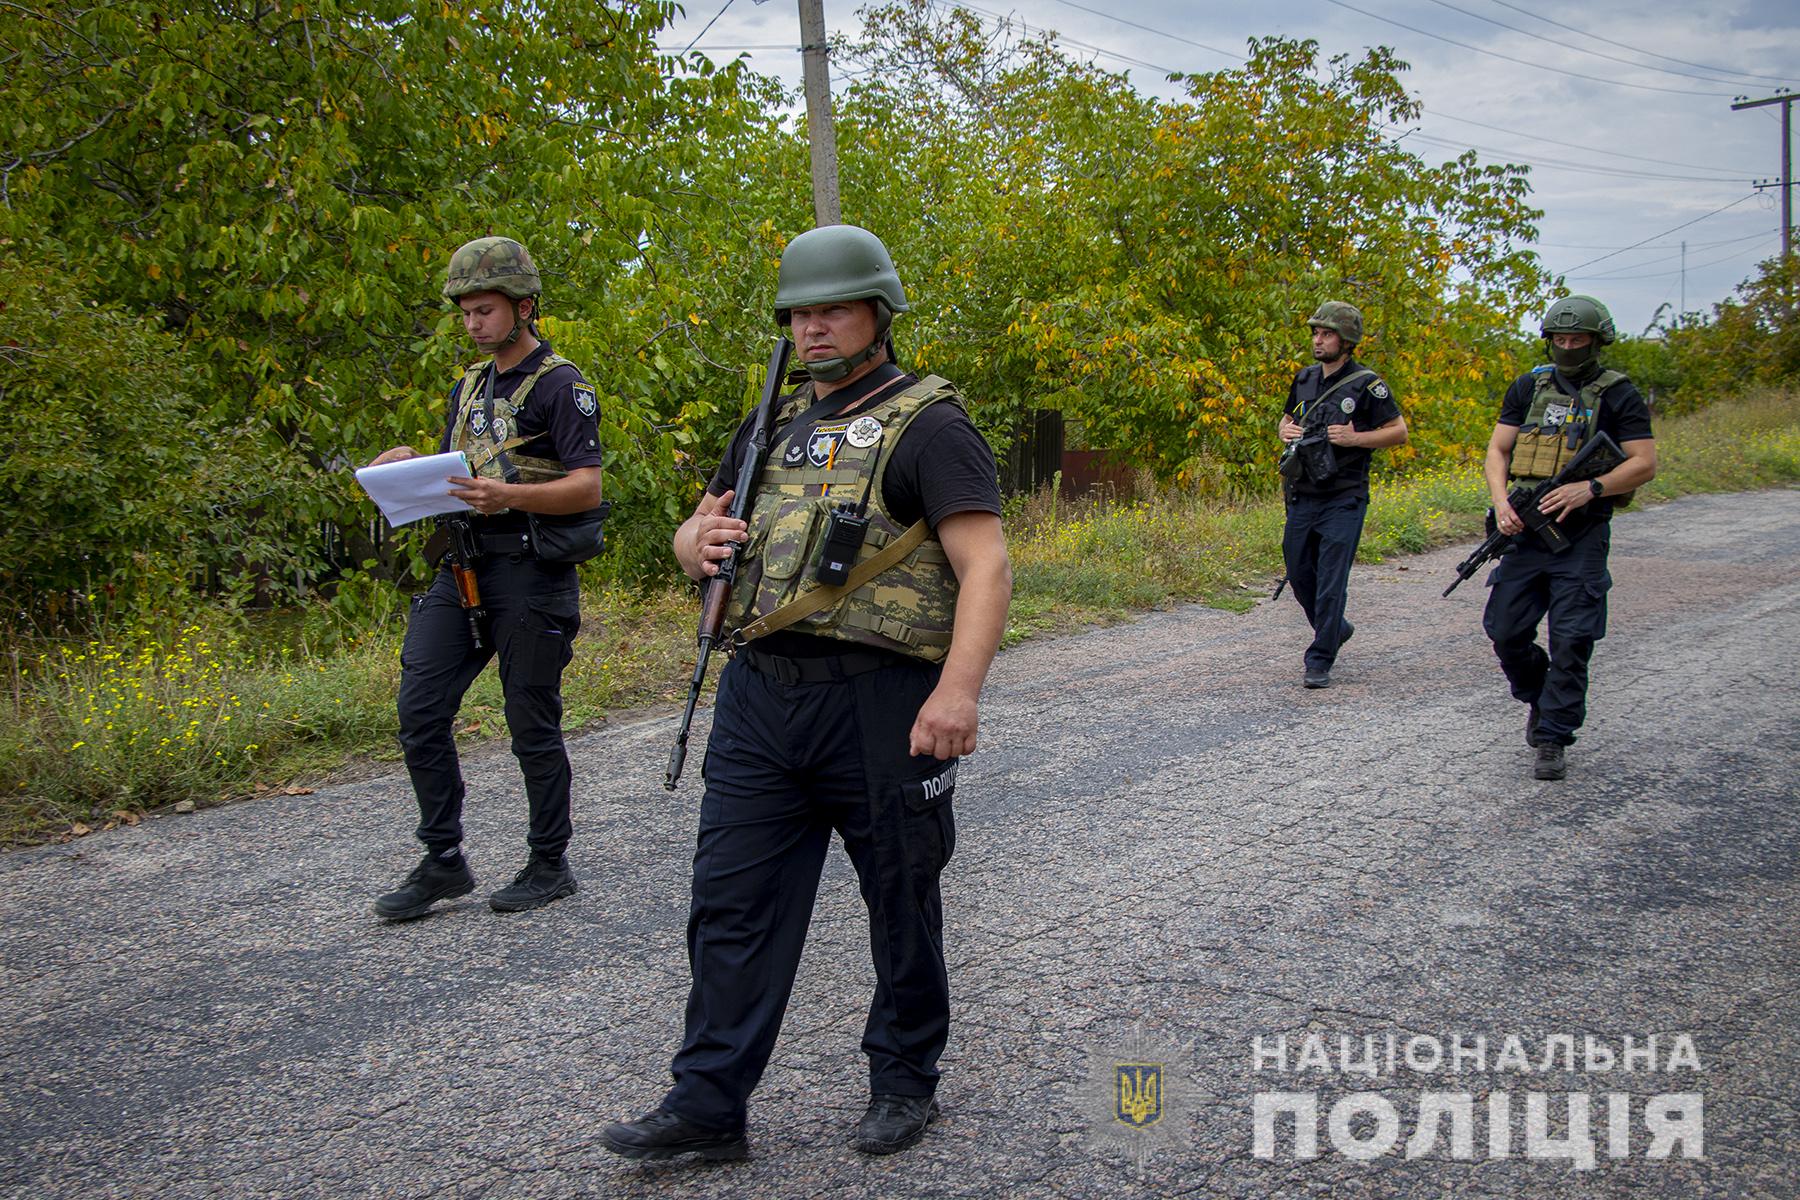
415,487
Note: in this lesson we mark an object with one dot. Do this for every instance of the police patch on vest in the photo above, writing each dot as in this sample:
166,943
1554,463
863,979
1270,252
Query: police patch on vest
921,793
823,444
1378,390
477,422
794,454
584,400
1555,414
499,429
1348,404
863,432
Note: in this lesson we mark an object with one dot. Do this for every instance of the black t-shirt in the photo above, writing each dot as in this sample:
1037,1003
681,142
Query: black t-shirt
1372,406
941,466
1623,415
552,420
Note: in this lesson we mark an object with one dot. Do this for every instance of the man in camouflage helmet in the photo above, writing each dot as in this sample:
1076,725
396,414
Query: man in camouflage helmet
526,419
852,717
1545,417
1338,411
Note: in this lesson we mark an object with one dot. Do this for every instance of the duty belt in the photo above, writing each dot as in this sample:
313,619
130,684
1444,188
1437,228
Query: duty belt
824,669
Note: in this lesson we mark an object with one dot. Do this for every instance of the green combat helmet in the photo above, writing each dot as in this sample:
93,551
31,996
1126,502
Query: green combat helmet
492,264
832,264
1578,314
1343,319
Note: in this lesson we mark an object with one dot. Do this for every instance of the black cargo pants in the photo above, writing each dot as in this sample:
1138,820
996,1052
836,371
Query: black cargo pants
1530,583
533,613
788,763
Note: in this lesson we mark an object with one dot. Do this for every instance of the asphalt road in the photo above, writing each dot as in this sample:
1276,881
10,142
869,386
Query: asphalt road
1167,850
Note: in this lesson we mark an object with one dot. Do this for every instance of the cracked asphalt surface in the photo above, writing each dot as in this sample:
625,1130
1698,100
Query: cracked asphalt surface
1165,846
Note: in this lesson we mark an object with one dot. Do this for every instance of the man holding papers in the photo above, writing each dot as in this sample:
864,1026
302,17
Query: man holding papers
525,419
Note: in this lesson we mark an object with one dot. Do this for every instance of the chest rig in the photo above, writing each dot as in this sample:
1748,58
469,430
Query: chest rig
906,607
1557,424
489,438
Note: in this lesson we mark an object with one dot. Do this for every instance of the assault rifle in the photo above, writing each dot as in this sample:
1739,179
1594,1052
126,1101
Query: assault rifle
465,549
1598,455
716,595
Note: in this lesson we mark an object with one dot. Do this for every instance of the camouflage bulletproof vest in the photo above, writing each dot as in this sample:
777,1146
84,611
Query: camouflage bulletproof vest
485,441
906,608
1543,444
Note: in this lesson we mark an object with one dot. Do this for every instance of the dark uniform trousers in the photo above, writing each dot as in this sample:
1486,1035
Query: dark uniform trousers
533,613
788,763
1318,546
1571,588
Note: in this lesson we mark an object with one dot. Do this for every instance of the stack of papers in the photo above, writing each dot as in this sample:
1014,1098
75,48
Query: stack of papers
415,487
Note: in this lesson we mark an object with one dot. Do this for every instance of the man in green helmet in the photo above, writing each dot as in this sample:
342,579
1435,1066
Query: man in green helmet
850,716
1338,411
526,419
1545,418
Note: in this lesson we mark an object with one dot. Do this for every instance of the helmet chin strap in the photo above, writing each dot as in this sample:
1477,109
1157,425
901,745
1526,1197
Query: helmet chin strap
830,370
519,326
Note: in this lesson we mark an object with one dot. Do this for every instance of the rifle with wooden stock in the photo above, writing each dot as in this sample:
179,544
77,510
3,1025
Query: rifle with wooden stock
715,596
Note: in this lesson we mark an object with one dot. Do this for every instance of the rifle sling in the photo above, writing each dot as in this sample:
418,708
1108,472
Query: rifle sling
823,597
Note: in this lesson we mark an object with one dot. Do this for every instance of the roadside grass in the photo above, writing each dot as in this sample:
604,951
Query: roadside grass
221,705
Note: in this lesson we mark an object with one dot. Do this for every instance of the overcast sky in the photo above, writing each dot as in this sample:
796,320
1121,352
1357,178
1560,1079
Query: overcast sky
1625,119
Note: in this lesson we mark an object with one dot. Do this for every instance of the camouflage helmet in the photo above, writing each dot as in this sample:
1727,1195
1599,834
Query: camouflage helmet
492,264
1579,314
835,263
1343,319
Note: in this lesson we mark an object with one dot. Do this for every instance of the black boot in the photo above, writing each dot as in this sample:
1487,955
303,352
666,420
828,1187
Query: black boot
662,1134
893,1122
1550,764
542,881
432,880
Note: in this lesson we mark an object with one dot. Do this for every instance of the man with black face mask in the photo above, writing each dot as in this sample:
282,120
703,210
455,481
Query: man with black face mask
1546,417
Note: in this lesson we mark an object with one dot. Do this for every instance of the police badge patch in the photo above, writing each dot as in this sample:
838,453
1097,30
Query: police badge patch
794,455
1348,404
823,444
584,400
477,422
1378,390
863,432
499,429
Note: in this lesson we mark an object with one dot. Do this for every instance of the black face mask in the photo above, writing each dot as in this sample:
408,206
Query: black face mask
1576,364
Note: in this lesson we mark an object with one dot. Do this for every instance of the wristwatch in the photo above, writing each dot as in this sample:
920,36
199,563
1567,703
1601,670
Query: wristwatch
1596,487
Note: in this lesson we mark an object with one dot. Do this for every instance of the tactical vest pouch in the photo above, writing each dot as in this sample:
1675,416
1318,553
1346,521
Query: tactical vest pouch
1539,453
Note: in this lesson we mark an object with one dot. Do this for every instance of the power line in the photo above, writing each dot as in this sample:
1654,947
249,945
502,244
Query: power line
1536,137
1162,33
1579,168
1581,50
1665,233
1645,87
1636,49
1696,245
704,28
1677,271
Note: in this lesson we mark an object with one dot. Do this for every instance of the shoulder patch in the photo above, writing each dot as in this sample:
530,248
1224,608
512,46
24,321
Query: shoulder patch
584,400
1543,368
1379,390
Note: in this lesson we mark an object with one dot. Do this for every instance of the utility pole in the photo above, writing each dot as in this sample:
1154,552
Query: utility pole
1683,307
1786,99
821,133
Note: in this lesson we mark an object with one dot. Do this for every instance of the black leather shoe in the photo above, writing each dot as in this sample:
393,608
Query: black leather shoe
662,1134
1317,677
432,880
893,1123
1531,724
1550,764
537,885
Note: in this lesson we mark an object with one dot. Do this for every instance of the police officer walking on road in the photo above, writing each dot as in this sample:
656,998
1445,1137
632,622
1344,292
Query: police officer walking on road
1337,412
849,716
526,419
1545,418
